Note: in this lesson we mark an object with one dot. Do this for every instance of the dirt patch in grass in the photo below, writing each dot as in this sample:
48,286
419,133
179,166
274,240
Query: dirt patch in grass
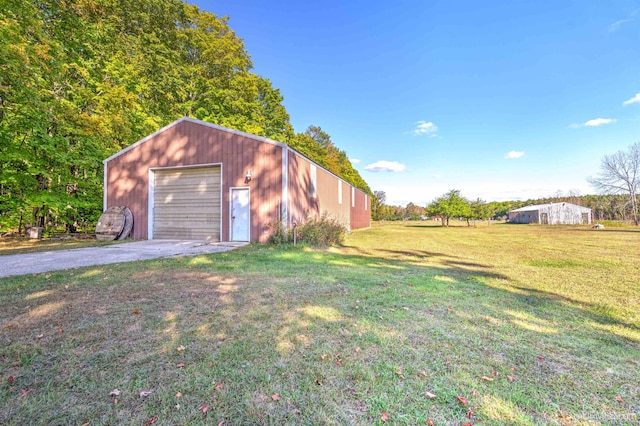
341,336
17,245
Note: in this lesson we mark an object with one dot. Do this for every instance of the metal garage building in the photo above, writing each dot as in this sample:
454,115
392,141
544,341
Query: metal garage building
197,180
552,214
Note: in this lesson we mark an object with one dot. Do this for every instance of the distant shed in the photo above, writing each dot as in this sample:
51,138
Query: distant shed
552,214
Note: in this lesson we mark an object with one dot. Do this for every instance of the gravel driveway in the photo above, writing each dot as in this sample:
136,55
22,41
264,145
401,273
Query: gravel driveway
33,263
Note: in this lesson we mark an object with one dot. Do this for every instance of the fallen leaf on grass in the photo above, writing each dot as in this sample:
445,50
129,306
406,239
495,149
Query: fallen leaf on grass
385,417
136,312
114,392
24,392
430,395
470,413
511,378
144,394
430,422
488,379
619,398
423,373
630,361
39,336
218,386
11,379
399,373
495,373
180,365
540,356
318,382
473,392
461,400
565,416
275,396
180,348
204,408
449,308
178,394
151,421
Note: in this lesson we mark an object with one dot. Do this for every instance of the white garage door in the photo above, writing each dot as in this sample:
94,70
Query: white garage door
186,204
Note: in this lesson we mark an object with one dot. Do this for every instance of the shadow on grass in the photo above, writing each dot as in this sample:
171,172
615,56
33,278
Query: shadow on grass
340,339
594,312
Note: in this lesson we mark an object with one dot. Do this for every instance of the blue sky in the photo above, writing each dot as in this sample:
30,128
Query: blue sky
502,100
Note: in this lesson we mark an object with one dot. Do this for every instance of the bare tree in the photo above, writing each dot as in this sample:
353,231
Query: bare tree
620,174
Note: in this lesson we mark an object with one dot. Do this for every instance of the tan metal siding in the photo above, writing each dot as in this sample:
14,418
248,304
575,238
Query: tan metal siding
328,198
187,204
302,205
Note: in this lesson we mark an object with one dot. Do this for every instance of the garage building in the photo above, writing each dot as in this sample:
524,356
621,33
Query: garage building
552,214
200,181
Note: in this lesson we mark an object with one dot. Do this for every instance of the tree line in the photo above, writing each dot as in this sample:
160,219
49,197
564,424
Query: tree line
83,79
618,181
613,207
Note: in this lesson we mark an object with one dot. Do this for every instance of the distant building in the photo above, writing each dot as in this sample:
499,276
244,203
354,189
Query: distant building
552,214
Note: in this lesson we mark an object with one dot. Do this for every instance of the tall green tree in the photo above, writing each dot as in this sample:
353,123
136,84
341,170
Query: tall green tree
480,210
449,205
377,203
82,79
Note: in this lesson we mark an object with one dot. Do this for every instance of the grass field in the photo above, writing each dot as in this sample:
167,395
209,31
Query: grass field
407,323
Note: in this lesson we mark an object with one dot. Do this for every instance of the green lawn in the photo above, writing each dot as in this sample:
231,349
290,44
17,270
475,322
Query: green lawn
526,324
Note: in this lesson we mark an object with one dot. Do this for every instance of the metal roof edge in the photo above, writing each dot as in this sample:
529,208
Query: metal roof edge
227,130
143,140
328,171
537,206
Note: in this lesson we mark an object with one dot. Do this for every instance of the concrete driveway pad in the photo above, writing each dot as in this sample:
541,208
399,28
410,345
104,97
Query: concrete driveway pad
46,261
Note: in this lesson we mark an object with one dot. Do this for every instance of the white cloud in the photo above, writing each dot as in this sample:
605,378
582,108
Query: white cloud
616,25
385,166
354,160
437,175
514,154
633,100
599,122
425,128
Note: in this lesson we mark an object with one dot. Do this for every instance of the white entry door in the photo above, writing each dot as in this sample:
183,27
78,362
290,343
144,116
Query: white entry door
240,214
